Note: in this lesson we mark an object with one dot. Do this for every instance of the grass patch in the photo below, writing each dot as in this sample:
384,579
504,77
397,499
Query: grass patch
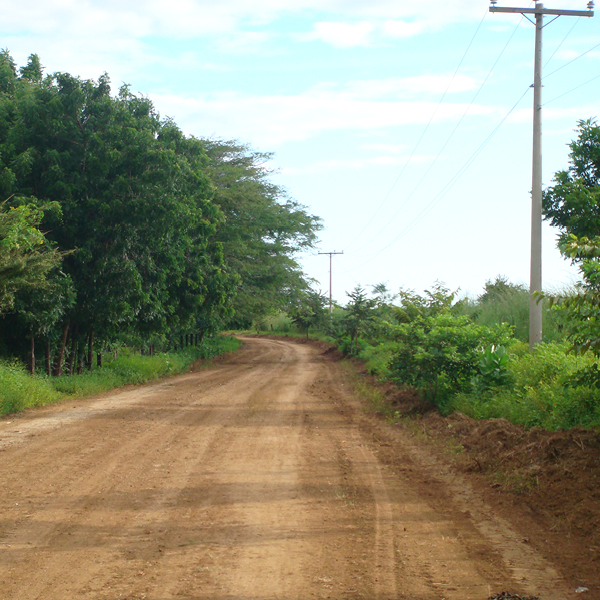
20,390
542,393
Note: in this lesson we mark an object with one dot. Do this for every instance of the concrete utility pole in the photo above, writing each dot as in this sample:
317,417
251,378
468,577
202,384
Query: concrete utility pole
535,282
330,279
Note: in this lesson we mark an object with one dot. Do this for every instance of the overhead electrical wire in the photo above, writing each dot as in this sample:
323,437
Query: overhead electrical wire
446,188
385,198
572,90
563,41
403,204
571,62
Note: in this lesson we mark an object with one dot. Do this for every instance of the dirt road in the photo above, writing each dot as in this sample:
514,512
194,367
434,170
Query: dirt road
259,478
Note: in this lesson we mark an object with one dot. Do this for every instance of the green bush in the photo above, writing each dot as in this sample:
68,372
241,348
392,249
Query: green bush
439,355
544,392
377,358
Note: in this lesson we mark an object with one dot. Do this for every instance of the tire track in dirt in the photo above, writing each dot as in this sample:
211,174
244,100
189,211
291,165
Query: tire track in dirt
257,479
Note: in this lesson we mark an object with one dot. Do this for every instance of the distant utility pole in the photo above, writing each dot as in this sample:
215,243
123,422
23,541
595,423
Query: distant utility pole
330,279
535,282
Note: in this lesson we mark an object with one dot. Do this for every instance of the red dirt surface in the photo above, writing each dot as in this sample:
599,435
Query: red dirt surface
265,477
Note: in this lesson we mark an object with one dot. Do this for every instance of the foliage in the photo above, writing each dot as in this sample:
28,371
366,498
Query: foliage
26,258
19,390
162,235
505,302
572,204
440,354
310,311
493,369
262,231
543,392
347,325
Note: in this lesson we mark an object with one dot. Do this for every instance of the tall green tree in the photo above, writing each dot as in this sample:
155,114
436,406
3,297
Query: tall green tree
572,205
167,234
262,232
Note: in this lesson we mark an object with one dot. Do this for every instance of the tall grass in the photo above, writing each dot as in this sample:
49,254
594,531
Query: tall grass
20,390
512,307
542,392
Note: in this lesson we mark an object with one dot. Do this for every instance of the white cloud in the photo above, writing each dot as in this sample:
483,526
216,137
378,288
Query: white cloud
343,35
403,29
190,18
276,119
410,86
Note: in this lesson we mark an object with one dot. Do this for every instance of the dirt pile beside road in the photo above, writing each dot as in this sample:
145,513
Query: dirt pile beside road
552,478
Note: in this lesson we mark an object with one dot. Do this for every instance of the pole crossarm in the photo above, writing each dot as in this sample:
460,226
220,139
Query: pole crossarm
535,280
542,11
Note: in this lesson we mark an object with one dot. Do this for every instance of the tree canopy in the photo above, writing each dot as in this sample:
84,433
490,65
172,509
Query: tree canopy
573,205
160,233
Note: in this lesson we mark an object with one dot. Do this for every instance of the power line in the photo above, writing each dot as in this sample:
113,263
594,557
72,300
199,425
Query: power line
385,198
572,90
403,204
560,45
447,187
571,61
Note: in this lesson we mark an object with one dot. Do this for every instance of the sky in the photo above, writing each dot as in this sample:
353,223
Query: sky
405,126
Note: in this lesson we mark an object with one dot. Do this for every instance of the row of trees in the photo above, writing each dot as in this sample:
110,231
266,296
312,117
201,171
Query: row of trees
148,235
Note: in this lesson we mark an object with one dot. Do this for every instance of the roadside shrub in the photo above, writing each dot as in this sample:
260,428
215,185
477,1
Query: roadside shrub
493,369
439,355
544,392
19,390
377,358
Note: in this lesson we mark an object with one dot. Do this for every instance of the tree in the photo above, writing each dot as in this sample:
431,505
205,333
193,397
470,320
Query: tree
572,204
262,232
359,312
26,258
310,311
167,234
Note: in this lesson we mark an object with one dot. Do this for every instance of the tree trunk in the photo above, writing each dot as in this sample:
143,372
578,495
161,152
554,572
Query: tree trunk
31,356
48,359
91,350
61,352
99,360
181,342
73,354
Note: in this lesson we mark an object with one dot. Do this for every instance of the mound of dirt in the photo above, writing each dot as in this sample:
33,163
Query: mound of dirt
552,477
